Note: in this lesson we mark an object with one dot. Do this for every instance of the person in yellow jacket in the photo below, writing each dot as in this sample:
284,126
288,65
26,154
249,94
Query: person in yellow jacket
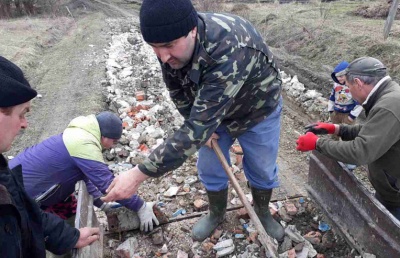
60,161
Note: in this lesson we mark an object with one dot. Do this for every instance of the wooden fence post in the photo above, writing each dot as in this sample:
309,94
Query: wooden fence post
390,18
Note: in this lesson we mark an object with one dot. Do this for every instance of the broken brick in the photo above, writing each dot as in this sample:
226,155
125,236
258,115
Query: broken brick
199,204
290,208
208,246
313,237
140,95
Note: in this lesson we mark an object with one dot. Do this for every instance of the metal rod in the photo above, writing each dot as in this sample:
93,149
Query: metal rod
267,241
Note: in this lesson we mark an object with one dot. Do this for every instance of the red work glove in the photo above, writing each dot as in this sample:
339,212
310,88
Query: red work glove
320,128
307,142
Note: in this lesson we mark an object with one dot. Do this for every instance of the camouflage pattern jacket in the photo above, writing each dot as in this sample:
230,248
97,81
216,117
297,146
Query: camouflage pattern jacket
231,81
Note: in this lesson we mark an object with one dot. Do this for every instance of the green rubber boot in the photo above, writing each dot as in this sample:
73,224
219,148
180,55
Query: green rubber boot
261,200
206,225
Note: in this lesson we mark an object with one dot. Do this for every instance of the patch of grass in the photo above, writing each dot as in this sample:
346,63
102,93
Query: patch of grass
323,34
24,39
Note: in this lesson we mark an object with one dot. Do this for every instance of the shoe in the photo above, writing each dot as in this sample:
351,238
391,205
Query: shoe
261,199
217,207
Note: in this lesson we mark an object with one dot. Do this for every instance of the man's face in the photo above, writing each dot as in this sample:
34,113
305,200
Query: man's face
107,143
11,124
356,90
176,53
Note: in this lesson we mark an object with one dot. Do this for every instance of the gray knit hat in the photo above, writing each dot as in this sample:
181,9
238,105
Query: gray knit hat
110,125
163,21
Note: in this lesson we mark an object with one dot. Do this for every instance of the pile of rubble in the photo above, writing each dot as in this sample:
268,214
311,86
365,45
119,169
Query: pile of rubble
136,92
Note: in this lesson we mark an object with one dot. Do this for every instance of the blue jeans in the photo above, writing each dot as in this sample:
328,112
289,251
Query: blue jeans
260,150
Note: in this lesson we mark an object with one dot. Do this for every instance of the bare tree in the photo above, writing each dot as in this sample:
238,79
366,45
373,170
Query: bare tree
5,9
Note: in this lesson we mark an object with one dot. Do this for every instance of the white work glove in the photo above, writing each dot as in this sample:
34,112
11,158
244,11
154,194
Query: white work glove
109,205
147,216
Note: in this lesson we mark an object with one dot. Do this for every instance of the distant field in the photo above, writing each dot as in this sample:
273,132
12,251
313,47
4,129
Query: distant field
323,34
23,40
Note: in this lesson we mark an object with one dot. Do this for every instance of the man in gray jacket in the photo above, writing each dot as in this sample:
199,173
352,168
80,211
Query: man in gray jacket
377,141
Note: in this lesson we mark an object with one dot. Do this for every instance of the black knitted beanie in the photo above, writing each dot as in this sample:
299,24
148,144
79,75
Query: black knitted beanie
14,88
110,125
163,21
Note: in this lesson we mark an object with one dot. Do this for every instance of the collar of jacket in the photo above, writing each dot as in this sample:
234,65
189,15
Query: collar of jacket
376,94
3,162
200,56
4,194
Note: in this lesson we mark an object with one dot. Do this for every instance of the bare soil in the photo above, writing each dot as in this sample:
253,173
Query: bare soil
64,60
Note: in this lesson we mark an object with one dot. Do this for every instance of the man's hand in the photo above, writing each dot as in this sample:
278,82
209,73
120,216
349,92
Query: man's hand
321,128
124,185
147,216
213,136
307,142
87,236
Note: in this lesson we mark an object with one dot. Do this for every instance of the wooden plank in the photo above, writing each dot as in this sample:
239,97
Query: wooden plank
86,217
390,18
362,219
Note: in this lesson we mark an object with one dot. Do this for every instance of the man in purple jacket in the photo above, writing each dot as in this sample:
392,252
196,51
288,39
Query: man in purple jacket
55,165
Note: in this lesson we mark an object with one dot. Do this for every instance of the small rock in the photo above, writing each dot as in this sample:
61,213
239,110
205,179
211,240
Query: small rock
181,254
299,247
223,244
313,237
283,214
290,208
242,214
158,237
127,248
226,251
217,233
172,191
179,180
164,249
199,204
208,246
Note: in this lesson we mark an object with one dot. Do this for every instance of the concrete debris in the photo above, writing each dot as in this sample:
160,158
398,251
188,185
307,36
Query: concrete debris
182,254
157,236
226,251
172,191
223,244
294,234
164,249
127,248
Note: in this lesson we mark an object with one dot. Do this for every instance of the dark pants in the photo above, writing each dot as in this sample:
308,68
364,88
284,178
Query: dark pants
392,209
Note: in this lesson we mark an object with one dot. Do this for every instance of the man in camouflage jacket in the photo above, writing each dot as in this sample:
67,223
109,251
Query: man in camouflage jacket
224,82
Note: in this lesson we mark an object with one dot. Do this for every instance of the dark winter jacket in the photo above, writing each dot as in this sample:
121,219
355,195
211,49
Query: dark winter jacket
232,80
376,142
25,230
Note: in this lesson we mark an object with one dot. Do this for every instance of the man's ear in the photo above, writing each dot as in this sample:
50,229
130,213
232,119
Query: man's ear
193,32
359,83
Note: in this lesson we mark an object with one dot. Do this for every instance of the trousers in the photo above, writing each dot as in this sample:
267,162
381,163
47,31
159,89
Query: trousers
260,150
